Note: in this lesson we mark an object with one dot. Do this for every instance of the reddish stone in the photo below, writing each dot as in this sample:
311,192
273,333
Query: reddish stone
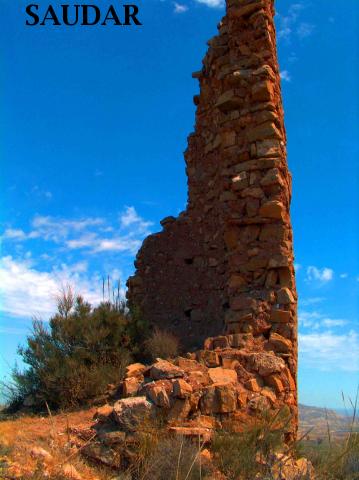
252,385
275,382
181,389
222,375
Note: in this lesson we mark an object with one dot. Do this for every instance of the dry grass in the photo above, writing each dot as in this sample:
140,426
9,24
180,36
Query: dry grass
249,453
52,433
161,344
157,456
333,458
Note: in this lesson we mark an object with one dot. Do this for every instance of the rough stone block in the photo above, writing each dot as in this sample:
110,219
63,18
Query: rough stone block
164,369
280,316
229,101
272,209
181,389
222,375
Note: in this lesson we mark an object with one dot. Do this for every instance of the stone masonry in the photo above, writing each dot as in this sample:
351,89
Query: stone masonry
224,267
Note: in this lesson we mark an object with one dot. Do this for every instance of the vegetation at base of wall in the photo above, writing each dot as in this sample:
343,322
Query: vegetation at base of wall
159,456
77,354
161,344
248,453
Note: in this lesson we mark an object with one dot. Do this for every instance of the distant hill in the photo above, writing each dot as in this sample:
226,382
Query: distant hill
316,421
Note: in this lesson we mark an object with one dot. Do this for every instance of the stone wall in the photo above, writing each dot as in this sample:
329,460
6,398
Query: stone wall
225,265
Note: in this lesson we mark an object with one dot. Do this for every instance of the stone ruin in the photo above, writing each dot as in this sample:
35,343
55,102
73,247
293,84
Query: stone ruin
220,276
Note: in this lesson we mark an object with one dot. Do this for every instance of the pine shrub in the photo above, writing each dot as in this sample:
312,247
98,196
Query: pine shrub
77,354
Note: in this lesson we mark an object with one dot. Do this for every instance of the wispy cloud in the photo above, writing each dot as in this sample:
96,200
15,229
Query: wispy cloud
285,76
286,22
36,190
180,8
96,244
14,234
315,320
319,275
130,217
56,229
93,233
311,301
328,351
289,24
305,30
212,3
26,291
56,251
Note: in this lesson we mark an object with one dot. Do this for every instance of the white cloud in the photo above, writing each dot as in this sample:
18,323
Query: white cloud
36,190
315,320
26,291
131,217
288,24
297,267
92,233
287,21
343,275
332,322
14,234
84,241
309,319
305,30
330,352
180,8
285,76
322,276
118,245
212,3
311,301
56,229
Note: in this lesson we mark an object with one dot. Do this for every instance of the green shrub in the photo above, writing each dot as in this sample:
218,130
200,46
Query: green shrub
75,356
161,344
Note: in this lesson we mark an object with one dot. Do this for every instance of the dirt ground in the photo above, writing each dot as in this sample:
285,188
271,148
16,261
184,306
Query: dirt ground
22,441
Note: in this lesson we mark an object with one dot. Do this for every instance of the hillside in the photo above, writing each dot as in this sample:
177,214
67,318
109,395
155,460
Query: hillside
315,420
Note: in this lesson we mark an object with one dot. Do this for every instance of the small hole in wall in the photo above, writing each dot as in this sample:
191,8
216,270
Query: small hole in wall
188,261
225,306
188,313
266,334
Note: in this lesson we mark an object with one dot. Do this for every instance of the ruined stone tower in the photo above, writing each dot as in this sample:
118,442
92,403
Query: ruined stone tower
225,265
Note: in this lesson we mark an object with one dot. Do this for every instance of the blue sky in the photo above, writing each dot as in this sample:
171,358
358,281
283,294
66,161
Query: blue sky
93,125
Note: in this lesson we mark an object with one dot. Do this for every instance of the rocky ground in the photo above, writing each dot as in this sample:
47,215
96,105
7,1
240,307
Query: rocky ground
186,397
